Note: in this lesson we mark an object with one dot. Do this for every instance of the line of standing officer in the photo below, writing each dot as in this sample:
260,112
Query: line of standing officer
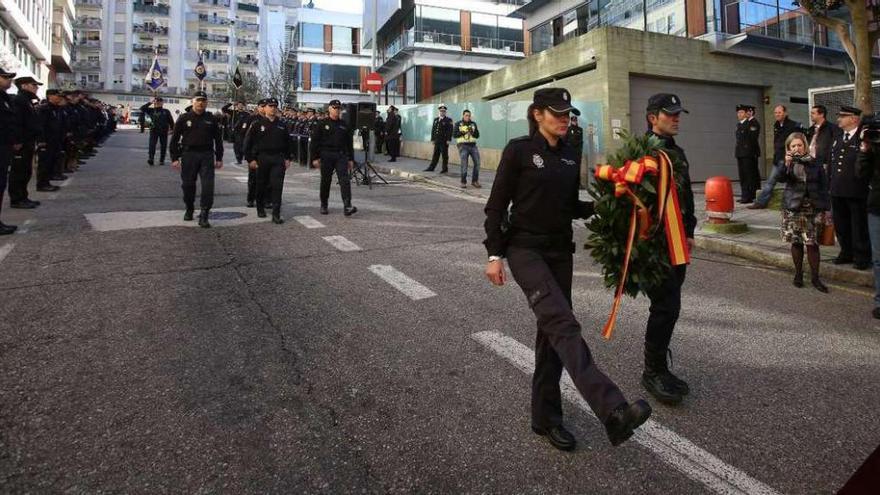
268,151
196,150
8,130
50,144
332,140
28,125
161,123
748,150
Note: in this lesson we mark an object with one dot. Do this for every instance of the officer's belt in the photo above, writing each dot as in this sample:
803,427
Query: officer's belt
542,241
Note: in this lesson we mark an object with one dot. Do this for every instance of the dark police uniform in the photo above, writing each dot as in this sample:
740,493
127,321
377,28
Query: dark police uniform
332,142
50,148
197,142
269,144
541,182
441,134
379,133
240,125
392,135
748,150
849,195
8,130
28,125
162,122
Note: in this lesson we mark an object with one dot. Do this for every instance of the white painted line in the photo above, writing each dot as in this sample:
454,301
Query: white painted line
5,250
341,243
675,450
401,282
243,180
309,222
25,227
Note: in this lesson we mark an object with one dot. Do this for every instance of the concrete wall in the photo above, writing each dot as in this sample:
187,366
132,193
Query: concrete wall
621,53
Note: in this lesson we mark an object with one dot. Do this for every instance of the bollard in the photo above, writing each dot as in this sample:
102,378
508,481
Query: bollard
719,199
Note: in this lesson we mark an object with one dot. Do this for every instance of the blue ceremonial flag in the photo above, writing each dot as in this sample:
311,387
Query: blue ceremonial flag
201,71
155,77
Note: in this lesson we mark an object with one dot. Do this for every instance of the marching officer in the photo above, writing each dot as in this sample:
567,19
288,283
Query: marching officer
379,132
28,125
849,193
332,142
575,138
441,134
8,129
242,125
538,175
161,124
240,121
748,150
663,114
392,133
268,152
50,144
196,150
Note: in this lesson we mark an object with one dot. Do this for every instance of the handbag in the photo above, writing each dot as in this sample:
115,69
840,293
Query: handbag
827,238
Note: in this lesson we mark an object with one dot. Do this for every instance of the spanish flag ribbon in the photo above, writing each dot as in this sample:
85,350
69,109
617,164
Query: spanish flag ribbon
668,213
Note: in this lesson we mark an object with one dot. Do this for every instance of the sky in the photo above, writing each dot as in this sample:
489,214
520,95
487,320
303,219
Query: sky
351,6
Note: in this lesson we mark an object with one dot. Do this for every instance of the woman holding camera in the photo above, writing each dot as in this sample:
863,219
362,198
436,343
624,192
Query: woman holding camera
805,202
538,174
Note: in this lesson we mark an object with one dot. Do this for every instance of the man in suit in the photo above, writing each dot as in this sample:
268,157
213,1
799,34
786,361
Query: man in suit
821,135
849,193
748,150
441,134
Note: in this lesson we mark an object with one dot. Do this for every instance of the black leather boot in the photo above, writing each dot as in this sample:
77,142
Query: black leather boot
625,419
558,437
203,219
657,379
188,215
276,218
261,211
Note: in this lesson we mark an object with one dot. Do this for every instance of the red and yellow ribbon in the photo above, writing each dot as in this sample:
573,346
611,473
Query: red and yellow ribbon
668,213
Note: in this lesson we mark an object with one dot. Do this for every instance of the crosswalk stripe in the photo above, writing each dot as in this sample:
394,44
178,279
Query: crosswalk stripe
671,448
401,282
341,243
25,227
309,222
5,250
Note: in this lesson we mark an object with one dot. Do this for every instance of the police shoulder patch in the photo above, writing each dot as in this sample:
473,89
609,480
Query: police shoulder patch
537,160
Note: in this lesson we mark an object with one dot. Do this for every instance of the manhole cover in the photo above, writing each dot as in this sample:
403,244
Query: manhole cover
226,215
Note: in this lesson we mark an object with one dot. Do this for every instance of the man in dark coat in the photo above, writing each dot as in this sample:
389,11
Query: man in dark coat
28,125
748,150
441,134
162,122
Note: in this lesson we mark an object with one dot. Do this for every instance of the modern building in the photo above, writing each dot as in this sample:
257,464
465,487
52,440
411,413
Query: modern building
63,17
425,47
26,37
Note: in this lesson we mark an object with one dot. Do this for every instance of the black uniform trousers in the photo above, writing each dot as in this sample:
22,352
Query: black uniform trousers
749,178
440,149
48,159
335,161
380,140
304,152
393,144
5,161
20,173
238,147
851,225
270,180
665,308
162,137
545,278
252,185
197,165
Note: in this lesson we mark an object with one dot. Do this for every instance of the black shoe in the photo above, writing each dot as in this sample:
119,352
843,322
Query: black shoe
250,204
393,160
161,163
558,436
261,212
444,171
188,215
277,219
756,206
876,313
798,280
745,201
842,260
23,205
49,188
819,285
657,379
861,265
58,177
429,169
203,219
35,203
7,229
324,210
150,162
349,210
270,205
625,419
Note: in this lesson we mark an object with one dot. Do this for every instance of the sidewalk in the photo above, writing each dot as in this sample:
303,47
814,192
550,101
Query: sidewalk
762,243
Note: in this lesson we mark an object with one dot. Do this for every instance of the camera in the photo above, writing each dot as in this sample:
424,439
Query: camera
871,126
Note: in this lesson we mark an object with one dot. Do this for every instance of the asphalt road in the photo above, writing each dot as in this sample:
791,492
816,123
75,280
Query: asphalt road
256,358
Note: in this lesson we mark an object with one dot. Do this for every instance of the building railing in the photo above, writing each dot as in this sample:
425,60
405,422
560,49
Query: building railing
415,38
341,85
140,48
216,38
143,8
211,3
87,23
249,7
247,61
85,65
496,44
215,20
88,43
247,26
247,43
89,3
150,28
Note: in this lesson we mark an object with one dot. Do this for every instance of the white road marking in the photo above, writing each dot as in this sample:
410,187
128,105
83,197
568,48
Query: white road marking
25,227
243,180
309,222
675,450
401,282
341,243
5,250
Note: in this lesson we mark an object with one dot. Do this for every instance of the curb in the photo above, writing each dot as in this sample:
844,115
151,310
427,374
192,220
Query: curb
781,260
415,177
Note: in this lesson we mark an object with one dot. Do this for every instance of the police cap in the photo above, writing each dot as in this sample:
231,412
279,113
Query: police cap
667,103
54,92
335,103
5,73
558,100
848,110
27,80
200,95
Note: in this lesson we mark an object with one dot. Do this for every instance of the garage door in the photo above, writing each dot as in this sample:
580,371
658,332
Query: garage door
708,132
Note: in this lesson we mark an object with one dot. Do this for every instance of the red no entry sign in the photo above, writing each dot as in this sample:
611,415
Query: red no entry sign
374,82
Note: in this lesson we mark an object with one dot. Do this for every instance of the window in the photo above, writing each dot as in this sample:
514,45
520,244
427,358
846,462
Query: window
666,16
342,39
444,78
312,35
542,37
329,76
438,26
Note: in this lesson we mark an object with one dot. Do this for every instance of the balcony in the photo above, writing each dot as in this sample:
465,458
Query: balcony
496,45
214,38
150,28
215,20
144,8
248,7
769,20
219,4
90,44
247,26
247,61
86,65
247,43
141,48
87,23
88,4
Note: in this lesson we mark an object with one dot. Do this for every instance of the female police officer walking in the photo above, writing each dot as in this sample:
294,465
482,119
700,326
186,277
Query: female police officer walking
539,174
